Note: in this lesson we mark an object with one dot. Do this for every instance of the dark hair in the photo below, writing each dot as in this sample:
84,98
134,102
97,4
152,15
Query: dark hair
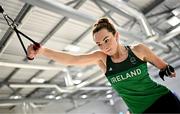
103,23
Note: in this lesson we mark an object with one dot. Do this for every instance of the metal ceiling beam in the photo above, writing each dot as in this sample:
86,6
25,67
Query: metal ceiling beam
102,9
175,32
154,4
61,9
61,23
115,9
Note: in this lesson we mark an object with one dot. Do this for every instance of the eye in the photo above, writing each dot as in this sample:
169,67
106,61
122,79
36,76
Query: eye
106,40
99,45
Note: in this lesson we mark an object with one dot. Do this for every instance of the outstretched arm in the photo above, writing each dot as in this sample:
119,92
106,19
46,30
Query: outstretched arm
152,58
66,58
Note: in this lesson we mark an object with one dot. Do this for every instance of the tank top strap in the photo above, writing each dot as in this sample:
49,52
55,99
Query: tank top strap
108,61
131,55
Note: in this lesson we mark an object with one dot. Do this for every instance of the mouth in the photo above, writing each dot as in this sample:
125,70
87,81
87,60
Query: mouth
108,50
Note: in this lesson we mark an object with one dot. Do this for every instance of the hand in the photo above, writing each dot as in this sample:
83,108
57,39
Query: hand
33,50
168,71
173,74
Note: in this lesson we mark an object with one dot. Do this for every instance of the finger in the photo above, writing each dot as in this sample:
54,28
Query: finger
173,74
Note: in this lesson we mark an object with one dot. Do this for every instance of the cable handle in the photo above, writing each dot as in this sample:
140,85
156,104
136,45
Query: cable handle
1,9
36,46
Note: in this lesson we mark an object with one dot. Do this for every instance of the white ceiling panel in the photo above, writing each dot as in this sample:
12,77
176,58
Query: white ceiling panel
23,75
91,9
4,71
47,75
70,31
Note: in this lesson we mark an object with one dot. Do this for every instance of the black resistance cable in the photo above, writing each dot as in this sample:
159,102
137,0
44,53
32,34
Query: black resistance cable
12,24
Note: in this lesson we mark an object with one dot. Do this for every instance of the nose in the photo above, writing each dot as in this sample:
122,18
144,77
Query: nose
104,47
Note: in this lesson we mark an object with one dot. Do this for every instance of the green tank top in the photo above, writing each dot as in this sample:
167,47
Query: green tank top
130,78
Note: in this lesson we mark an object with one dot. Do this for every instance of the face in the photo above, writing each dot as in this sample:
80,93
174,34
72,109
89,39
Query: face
106,41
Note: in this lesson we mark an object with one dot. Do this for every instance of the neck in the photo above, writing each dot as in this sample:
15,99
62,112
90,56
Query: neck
120,52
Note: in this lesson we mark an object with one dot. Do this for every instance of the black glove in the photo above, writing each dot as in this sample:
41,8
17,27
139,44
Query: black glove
166,72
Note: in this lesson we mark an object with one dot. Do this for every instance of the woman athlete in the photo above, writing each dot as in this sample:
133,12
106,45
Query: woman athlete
125,68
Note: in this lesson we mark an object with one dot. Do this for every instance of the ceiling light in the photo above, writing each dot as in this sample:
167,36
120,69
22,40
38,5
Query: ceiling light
72,48
58,97
108,96
111,102
15,97
53,92
38,80
108,84
84,96
109,91
79,74
77,81
176,12
50,96
173,21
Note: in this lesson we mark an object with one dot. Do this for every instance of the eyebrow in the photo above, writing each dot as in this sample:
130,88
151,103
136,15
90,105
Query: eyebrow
103,39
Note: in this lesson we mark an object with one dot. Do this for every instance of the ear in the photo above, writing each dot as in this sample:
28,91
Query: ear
117,36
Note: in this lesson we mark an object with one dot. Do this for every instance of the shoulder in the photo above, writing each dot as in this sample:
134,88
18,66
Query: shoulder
98,53
140,50
139,46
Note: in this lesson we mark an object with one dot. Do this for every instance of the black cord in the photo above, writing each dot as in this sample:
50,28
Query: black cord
22,44
1,9
12,24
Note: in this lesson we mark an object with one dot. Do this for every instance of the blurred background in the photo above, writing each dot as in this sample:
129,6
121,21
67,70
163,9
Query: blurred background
45,86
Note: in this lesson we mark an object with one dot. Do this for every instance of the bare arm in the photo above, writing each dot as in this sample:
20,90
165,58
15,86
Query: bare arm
66,58
149,56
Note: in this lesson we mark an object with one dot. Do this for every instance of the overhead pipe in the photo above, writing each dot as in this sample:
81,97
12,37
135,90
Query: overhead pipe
31,66
170,35
95,88
68,78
